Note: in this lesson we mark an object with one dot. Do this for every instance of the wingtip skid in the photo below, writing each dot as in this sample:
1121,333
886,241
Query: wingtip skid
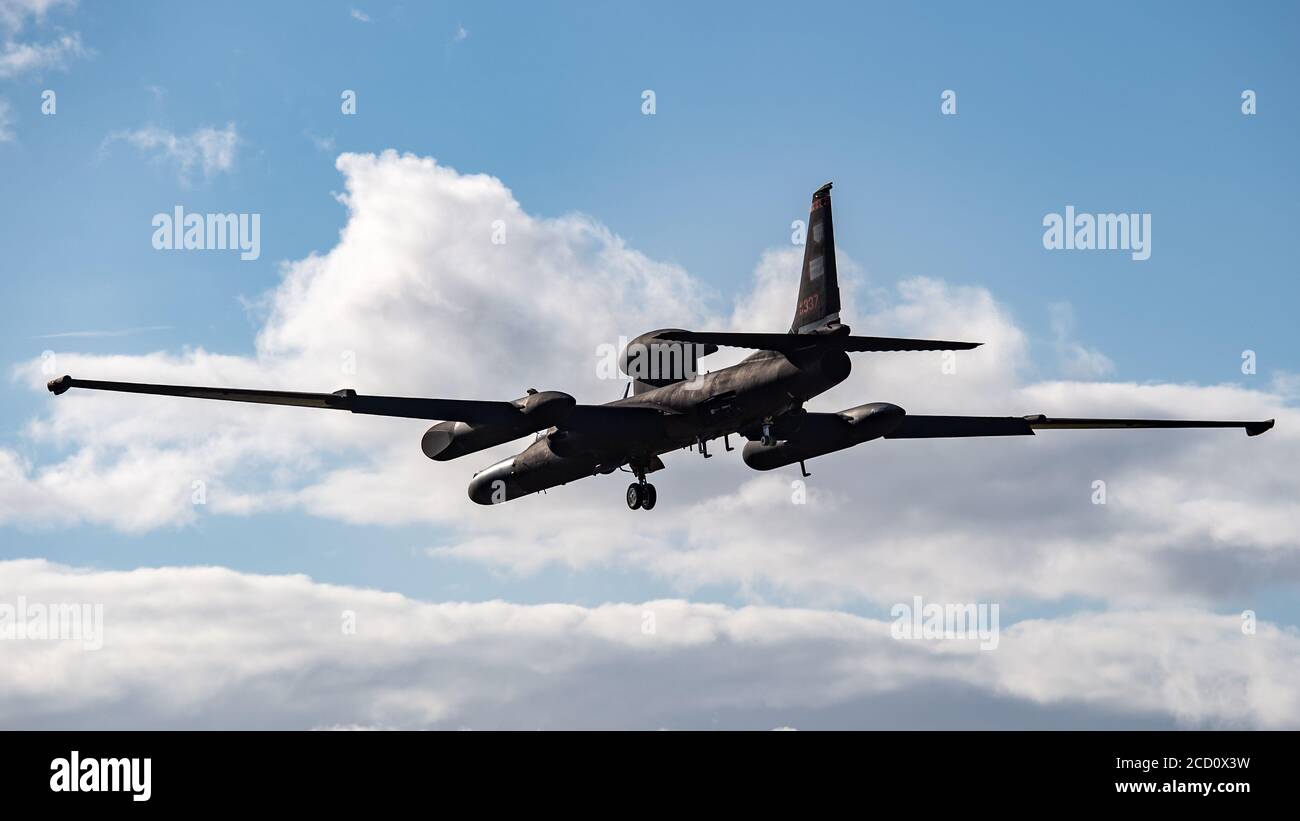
1256,428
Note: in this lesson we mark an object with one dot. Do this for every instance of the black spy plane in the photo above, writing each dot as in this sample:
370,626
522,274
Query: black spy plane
672,406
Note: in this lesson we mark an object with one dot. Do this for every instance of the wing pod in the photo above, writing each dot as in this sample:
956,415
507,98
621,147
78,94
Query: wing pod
539,410
820,433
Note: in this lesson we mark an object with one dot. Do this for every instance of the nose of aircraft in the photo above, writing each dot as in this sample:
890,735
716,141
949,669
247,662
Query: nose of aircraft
489,485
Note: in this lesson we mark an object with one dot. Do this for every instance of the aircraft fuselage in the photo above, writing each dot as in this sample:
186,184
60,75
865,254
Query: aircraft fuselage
733,400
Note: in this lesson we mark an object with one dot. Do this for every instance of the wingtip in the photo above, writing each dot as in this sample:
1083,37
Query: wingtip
60,385
1256,428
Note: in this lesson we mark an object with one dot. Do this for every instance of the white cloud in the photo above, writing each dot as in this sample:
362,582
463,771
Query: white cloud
210,150
420,298
358,14
210,647
23,58
1285,383
19,57
325,144
460,35
1076,361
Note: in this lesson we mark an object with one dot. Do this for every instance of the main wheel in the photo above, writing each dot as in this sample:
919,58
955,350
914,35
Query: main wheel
648,497
634,495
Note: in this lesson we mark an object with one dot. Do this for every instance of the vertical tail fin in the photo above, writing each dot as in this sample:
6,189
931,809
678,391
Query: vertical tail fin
819,287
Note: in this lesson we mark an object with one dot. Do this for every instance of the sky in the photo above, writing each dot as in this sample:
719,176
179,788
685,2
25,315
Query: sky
227,543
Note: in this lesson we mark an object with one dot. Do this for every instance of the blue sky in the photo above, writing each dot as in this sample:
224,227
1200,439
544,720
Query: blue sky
1118,110
1107,107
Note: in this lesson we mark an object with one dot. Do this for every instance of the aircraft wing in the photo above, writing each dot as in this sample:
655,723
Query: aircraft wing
790,343
933,427
456,410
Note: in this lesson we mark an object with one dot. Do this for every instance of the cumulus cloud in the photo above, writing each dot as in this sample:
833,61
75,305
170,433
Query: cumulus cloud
207,149
417,299
209,647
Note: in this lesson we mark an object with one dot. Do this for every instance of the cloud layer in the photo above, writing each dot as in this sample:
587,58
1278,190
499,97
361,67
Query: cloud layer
209,647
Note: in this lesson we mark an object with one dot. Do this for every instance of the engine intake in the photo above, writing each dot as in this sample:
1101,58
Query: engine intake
652,362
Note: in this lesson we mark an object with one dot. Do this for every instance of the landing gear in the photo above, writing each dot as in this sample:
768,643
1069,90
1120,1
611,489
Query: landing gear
768,439
641,495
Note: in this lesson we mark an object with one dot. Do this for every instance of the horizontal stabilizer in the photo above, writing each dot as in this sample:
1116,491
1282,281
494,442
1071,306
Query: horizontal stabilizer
933,427
797,343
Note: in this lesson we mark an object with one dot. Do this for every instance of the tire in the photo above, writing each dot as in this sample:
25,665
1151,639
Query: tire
634,496
648,498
